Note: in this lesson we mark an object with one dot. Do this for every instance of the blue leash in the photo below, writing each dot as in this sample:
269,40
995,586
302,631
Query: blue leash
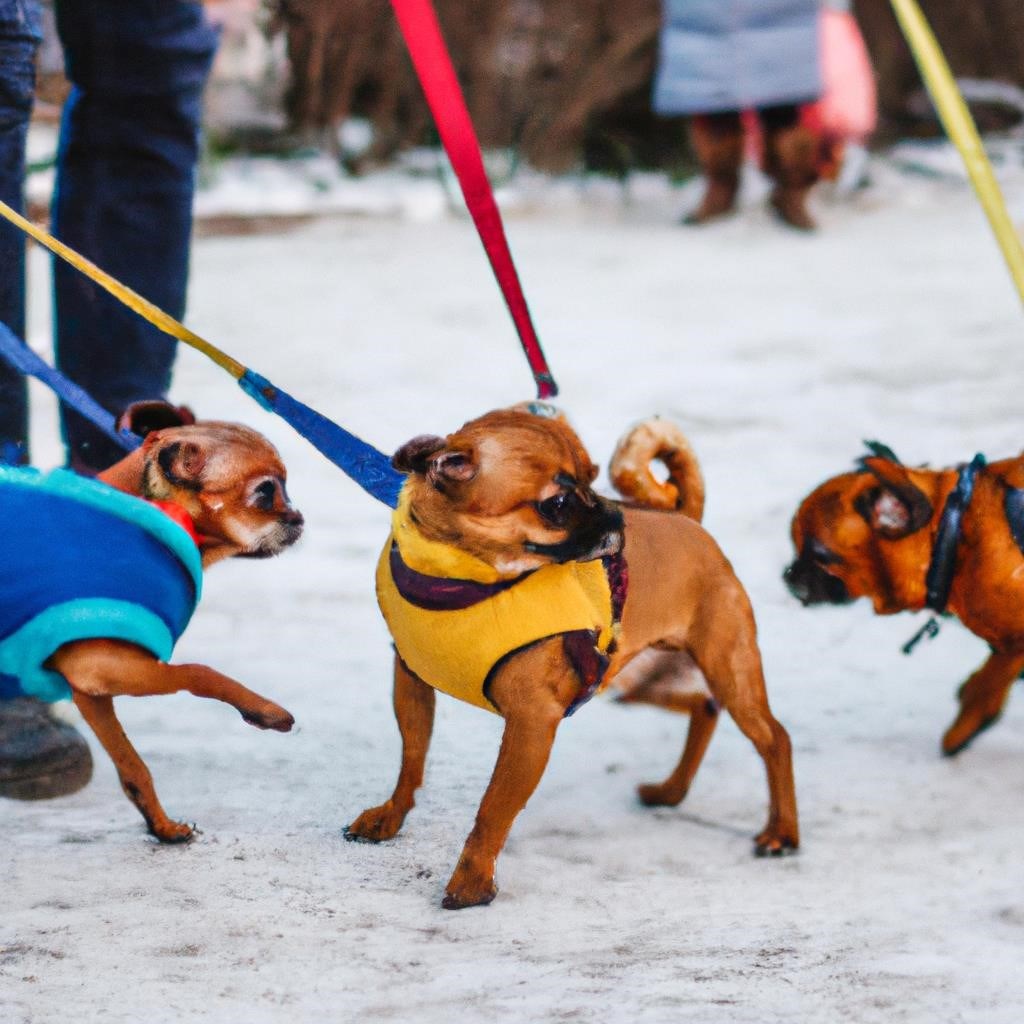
367,466
22,358
370,468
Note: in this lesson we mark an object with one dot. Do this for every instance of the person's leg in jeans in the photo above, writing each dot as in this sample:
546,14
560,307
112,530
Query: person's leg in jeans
129,145
39,756
125,183
19,39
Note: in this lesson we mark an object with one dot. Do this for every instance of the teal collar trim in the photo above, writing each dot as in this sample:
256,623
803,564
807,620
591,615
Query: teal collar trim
24,653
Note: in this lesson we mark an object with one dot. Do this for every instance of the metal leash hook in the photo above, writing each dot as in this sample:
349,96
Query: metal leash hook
930,630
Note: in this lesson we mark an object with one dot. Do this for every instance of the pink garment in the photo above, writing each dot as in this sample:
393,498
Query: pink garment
848,108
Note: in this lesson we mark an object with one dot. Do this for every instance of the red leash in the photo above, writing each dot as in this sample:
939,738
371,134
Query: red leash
444,97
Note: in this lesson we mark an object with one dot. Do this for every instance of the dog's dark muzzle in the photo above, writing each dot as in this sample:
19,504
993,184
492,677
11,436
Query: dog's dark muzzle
596,535
809,583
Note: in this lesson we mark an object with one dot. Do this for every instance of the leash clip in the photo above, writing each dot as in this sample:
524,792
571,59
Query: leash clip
930,629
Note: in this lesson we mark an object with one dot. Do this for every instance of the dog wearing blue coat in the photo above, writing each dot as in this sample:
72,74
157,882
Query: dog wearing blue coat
98,578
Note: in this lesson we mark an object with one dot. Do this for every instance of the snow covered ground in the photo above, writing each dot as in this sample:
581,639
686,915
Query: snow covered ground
777,354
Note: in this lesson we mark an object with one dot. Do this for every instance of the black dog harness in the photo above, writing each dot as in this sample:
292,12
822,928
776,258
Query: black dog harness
1013,506
942,566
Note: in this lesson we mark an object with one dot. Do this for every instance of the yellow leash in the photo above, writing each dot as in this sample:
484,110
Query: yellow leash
363,463
960,127
156,316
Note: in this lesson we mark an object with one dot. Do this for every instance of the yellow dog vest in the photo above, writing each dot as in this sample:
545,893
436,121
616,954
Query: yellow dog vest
463,618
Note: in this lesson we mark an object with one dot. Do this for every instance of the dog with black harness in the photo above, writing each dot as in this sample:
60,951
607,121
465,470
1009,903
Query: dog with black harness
949,540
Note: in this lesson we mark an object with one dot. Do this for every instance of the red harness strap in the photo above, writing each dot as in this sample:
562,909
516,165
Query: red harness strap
433,65
181,517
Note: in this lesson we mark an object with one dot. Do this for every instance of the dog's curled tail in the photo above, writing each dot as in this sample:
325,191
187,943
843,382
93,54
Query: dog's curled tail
630,469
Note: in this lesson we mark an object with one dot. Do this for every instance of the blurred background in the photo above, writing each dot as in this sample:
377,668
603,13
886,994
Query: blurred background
558,84
775,350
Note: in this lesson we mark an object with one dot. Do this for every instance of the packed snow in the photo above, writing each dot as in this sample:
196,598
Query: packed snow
777,354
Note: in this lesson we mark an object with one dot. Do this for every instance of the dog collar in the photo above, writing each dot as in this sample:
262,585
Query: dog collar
175,512
939,579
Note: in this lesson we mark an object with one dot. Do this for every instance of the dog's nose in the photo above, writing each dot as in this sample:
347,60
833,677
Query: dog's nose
810,584
797,582
293,522
612,516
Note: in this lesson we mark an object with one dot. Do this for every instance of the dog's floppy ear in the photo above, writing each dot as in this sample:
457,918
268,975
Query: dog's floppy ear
413,455
898,508
451,466
427,455
881,451
143,417
181,462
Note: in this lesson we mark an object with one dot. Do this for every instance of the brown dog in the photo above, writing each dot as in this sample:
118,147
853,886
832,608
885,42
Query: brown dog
502,507
909,539
231,483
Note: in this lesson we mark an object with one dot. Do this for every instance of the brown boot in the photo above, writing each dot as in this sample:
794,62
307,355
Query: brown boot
718,141
791,159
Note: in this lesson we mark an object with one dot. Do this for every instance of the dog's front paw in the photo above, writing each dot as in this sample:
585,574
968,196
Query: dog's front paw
472,894
469,887
660,795
969,724
376,824
173,832
268,715
776,842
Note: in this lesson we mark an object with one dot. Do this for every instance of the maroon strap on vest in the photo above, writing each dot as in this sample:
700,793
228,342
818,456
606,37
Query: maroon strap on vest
617,571
581,645
590,664
438,593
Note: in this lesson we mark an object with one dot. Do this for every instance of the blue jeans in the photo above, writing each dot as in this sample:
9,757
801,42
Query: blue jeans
126,164
19,39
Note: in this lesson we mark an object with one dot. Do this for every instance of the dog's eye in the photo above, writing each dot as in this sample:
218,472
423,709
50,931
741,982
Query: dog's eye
264,494
559,508
817,552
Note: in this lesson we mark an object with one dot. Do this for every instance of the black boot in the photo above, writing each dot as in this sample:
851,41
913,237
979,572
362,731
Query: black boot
40,757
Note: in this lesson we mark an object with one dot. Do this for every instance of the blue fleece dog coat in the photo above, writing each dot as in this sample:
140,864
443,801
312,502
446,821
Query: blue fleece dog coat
81,561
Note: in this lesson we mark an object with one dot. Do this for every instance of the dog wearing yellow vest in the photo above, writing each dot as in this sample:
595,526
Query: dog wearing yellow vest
507,582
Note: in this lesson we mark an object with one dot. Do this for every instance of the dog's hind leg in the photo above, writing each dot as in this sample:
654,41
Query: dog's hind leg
135,778
112,668
724,645
670,679
414,709
703,713
981,700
